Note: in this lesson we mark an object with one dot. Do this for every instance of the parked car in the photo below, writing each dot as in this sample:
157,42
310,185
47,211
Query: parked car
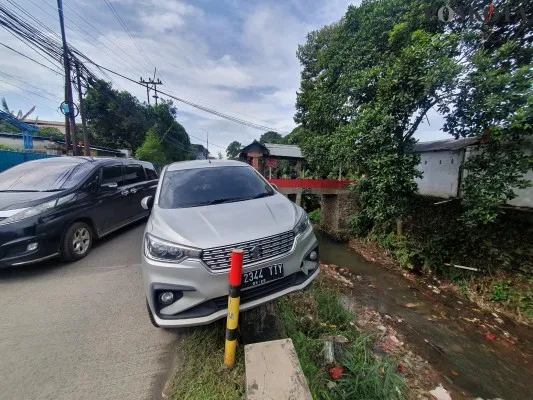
201,211
58,206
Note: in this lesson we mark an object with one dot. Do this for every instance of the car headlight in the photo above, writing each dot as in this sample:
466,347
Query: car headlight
161,250
302,224
38,209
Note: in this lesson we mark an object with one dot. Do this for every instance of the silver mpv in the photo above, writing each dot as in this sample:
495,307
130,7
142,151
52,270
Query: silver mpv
201,211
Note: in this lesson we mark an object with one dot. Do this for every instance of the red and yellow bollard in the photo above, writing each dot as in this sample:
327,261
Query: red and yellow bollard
234,301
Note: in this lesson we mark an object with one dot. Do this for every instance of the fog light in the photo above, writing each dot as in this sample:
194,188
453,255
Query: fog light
313,256
32,246
166,297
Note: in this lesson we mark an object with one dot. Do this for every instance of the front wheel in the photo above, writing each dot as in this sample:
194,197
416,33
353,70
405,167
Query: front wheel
77,241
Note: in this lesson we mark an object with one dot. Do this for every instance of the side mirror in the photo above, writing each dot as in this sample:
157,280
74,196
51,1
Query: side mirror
274,186
147,203
109,186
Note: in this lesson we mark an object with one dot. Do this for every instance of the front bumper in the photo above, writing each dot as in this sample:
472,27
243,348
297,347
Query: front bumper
204,292
15,237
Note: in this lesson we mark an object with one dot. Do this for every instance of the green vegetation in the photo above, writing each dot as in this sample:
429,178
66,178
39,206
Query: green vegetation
3,147
309,315
369,81
315,216
117,119
51,132
202,374
233,150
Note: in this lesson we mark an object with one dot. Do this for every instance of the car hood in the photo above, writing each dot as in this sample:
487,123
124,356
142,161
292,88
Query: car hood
224,224
17,200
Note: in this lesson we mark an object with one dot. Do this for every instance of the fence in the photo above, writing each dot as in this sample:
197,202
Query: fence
9,159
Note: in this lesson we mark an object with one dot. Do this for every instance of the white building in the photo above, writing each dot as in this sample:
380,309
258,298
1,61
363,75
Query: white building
440,163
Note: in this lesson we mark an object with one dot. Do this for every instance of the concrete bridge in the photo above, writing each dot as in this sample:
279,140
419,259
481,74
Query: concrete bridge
334,198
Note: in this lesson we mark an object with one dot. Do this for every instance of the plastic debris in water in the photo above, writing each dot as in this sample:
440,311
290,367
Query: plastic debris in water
440,393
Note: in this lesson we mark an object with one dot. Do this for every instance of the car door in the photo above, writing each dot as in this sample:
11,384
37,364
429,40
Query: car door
150,186
112,201
134,184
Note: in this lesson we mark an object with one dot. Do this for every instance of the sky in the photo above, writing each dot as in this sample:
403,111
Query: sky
237,57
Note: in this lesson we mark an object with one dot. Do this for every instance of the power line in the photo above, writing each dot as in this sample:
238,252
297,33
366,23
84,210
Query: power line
34,102
121,22
101,33
200,107
83,37
203,140
29,91
26,83
31,59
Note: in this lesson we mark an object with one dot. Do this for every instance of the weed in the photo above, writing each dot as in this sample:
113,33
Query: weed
309,315
500,291
203,375
316,216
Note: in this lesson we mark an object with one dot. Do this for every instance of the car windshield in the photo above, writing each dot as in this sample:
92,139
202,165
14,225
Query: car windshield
43,176
208,186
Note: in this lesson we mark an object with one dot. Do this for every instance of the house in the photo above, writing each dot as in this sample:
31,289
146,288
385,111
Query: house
267,155
440,163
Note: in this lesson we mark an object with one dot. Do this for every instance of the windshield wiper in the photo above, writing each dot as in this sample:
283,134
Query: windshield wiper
18,191
258,196
52,190
219,201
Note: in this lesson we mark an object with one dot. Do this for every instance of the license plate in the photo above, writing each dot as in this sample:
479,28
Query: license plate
262,275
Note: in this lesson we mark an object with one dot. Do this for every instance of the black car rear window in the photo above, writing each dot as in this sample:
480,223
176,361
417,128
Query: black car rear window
206,186
42,176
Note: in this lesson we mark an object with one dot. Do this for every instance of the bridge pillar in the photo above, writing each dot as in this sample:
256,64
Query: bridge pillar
299,198
336,209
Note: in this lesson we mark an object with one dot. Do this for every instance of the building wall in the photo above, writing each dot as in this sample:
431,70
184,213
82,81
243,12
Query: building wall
440,173
17,143
524,196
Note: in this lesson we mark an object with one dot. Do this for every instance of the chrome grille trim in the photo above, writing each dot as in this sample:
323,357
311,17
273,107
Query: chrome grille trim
218,258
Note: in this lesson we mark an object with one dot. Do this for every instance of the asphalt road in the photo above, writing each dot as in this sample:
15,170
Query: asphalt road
80,330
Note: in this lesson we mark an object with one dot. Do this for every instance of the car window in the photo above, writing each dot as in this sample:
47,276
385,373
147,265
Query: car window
150,174
112,174
207,186
45,175
134,173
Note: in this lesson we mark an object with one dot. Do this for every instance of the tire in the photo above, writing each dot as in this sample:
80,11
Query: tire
77,242
152,320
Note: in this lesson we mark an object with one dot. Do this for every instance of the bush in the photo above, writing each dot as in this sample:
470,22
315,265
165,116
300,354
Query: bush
315,216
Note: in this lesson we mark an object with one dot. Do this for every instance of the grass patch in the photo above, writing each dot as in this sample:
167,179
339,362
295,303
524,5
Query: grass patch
309,315
202,375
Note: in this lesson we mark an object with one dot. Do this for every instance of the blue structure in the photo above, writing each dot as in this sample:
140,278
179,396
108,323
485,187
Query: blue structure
27,129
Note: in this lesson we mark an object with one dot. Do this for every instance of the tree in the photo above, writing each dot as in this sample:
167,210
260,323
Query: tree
271,137
494,102
220,156
19,115
6,127
117,119
153,149
50,132
233,150
367,84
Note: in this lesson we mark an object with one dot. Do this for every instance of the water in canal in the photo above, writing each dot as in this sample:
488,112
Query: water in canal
459,350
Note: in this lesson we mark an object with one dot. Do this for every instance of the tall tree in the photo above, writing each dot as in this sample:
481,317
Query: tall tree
233,150
153,149
271,137
367,84
117,119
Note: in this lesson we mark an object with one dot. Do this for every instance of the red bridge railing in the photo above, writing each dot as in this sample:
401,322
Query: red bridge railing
311,183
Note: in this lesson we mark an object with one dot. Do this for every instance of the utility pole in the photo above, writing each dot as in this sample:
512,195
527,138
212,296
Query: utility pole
69,110
151,84
82,113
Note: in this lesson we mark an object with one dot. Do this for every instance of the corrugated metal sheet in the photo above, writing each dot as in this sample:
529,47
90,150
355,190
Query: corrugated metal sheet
9,159
284,150
447,144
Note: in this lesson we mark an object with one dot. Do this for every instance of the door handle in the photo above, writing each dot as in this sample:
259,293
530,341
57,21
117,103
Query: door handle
124,193
133,191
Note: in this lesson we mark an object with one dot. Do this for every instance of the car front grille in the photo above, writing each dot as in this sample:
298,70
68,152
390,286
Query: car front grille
218,258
